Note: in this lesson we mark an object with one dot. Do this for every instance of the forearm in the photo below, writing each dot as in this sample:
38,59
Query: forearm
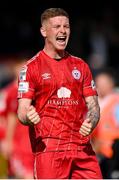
22,115
27,113
23,107
7,143
93,110
11,126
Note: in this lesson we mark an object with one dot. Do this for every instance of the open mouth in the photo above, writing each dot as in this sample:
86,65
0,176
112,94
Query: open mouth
61,39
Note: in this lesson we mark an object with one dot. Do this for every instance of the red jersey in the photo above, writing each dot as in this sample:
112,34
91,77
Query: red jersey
58,89
10,105
3,104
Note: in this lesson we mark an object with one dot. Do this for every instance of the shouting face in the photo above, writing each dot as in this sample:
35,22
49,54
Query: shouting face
56,31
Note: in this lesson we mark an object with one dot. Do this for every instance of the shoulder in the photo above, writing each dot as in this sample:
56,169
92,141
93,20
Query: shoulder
30,65
80,61
30,68
32,61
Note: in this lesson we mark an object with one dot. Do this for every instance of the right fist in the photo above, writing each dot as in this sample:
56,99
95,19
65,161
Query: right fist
32,115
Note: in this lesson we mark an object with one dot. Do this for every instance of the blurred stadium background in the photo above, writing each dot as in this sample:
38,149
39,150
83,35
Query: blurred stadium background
94,25
94,33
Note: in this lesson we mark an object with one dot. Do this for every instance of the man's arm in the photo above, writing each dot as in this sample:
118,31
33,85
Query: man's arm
7,143
27,113
92,117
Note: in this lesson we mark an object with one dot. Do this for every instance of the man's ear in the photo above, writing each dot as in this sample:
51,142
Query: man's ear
43,31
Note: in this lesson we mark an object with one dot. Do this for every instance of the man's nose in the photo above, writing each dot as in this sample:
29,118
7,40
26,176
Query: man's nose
62,29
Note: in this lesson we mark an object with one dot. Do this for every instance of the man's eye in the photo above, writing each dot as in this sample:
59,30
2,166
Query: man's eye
67,26
56,26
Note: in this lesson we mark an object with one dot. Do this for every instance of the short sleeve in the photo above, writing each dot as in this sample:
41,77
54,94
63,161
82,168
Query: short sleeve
26,83
89,88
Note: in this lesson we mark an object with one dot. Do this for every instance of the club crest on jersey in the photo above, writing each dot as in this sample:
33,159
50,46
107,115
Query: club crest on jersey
76,74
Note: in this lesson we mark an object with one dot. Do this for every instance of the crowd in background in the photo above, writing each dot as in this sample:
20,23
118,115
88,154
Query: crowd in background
95,39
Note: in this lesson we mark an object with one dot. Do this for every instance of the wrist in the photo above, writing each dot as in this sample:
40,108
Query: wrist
26,122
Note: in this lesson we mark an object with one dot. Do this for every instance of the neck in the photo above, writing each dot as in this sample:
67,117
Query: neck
54,54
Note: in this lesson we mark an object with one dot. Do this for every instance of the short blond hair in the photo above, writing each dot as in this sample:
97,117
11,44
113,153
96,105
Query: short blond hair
53,12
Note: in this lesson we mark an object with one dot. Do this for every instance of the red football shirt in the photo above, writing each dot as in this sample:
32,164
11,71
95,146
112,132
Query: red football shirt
3,113
10,104
58,89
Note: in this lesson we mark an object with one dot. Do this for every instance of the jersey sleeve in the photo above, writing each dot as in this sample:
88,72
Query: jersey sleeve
89,88
26,83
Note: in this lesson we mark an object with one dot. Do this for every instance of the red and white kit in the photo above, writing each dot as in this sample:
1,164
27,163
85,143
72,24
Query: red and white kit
57,89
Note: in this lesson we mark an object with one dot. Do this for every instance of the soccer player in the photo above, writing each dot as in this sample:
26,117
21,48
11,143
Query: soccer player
58,100
16,144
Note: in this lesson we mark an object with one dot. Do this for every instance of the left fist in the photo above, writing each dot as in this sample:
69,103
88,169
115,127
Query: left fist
86,127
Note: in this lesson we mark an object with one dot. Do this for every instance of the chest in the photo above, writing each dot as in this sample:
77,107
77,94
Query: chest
60,74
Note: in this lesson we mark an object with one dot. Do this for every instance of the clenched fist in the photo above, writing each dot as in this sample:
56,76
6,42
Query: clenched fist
86,127
32,115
